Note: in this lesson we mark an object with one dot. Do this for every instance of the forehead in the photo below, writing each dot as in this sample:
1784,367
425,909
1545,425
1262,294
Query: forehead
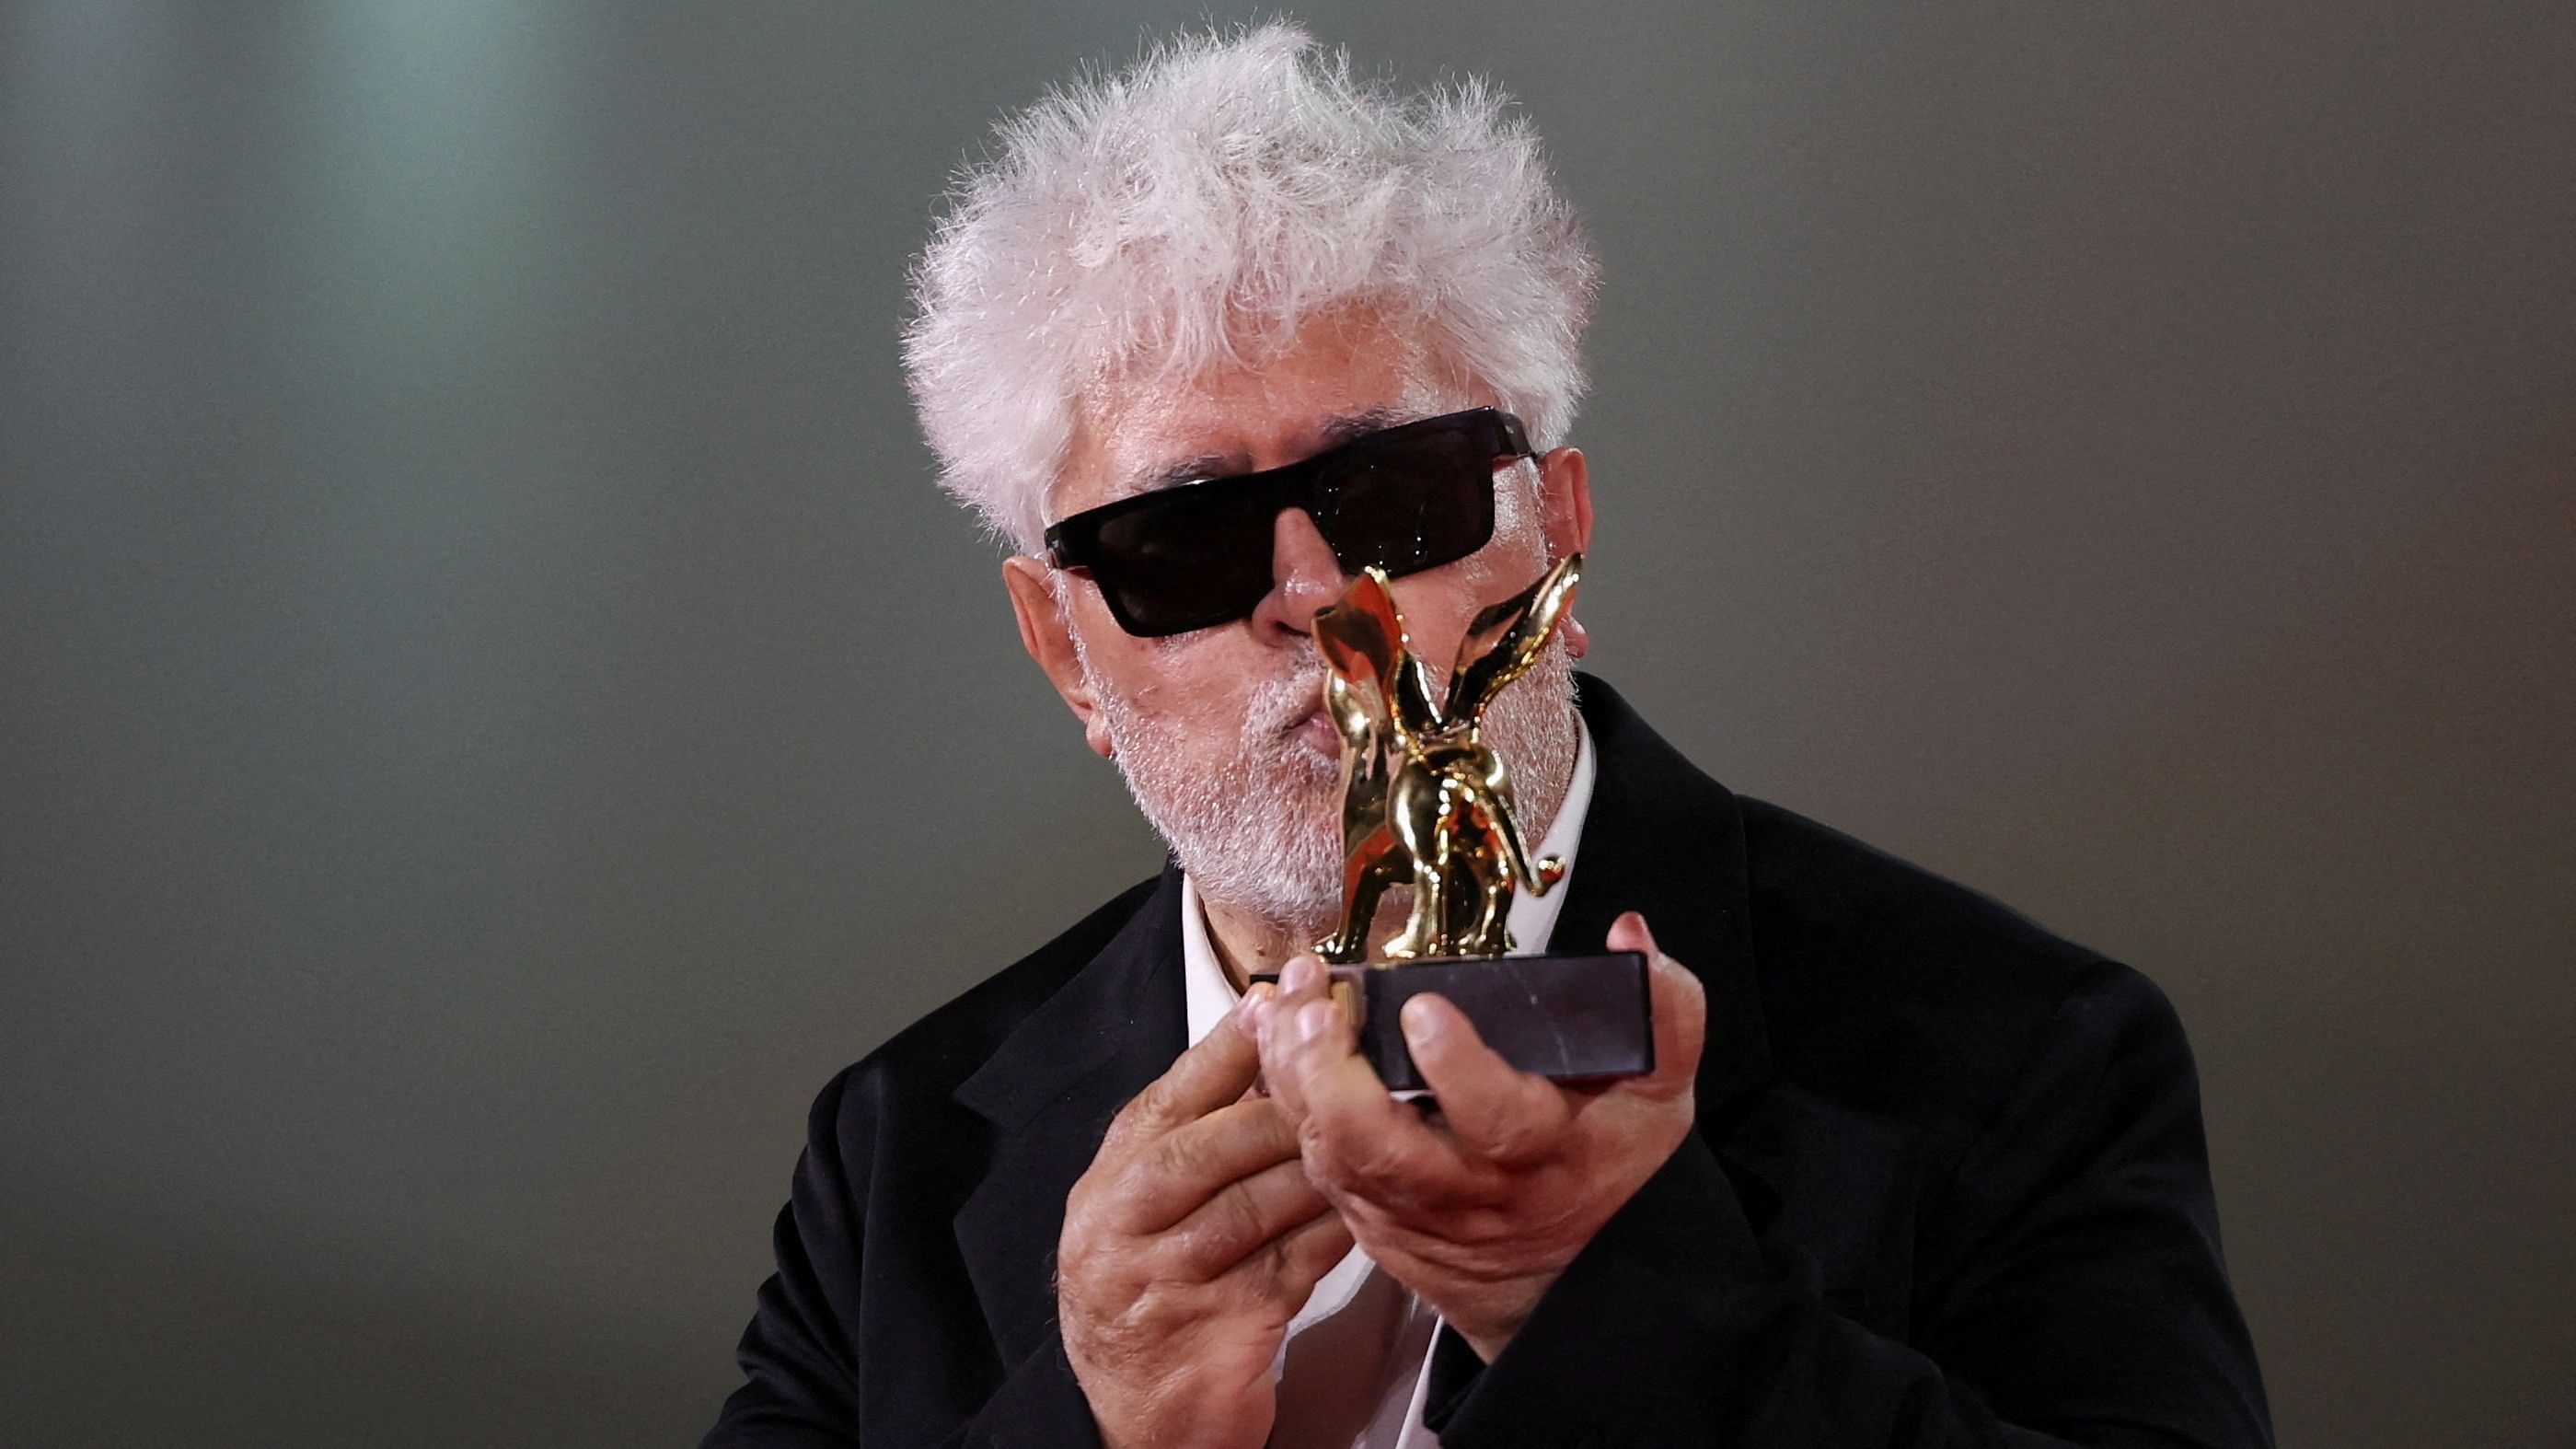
1332,383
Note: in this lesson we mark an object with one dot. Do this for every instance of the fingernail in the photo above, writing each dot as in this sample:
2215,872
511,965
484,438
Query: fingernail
1636,921
1300,974
1313,1019
1252,1010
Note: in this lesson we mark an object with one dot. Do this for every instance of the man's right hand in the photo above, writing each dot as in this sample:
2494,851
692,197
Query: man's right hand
1188,1246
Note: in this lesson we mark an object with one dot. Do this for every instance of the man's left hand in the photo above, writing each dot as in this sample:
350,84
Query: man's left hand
1479,1206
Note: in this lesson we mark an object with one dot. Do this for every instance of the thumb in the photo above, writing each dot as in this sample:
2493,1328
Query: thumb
1680,1007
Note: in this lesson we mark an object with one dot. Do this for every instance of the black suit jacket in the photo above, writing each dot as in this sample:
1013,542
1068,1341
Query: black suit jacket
1948,1185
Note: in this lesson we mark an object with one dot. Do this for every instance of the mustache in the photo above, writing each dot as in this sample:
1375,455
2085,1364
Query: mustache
1282,703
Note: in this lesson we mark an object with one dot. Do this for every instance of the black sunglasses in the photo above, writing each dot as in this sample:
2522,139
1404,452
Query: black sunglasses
1406,498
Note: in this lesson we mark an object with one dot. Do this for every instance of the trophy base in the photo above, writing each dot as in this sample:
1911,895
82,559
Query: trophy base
1567,1018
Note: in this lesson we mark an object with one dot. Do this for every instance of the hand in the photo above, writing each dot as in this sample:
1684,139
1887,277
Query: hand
1480,1207
1188,1246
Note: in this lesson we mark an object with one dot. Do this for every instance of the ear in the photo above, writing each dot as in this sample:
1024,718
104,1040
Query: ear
1565,519
1047,634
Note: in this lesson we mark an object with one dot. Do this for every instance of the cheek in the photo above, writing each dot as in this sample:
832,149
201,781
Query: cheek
1189,682
1118,665
1439,604
1519,511
1518,553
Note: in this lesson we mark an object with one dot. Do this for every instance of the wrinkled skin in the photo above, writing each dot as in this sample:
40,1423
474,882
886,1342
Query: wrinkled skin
1188,1246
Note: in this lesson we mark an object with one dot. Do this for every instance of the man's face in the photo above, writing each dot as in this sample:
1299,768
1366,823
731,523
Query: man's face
1220,731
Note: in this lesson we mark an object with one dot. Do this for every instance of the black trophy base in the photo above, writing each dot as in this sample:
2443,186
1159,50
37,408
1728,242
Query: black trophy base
1567,1018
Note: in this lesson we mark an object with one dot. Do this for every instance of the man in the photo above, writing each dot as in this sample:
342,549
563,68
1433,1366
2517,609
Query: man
1200,342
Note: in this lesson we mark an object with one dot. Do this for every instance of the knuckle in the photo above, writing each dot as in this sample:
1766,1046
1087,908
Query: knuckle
1277,1267
1122,1131
1075,1260
1131,1196
1120,1182
1315,1144
1142,1108
1529,1133
1220,1235
1180,1157
1375,1162
1262,1119
1239,1212
1516,1144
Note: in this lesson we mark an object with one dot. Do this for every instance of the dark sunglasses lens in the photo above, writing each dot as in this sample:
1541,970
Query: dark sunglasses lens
1200,558
1410,501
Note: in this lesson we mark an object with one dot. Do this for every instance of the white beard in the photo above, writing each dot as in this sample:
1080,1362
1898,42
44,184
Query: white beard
1259,827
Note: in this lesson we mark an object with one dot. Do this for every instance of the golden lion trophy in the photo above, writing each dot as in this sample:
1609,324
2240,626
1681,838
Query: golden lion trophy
1427,804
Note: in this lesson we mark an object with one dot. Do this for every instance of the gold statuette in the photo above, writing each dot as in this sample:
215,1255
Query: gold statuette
1427,805
1425,801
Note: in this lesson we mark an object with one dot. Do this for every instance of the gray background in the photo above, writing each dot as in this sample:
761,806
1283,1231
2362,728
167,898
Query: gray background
496,713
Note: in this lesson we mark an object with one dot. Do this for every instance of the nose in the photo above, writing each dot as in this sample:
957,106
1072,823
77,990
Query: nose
1305,578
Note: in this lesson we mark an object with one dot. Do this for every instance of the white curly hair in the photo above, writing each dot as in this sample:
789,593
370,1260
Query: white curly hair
1193,211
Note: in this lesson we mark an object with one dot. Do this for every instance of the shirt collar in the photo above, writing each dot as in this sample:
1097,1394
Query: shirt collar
1210,994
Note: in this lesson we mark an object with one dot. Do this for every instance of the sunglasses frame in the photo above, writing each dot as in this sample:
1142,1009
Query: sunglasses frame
1073,543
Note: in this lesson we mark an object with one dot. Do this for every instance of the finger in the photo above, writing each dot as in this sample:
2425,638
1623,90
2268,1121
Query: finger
1252,1010
1209,1075
1680,1006
1181,1170
1306,1041
1505,1116
1629,933
1302,980
1355,1135
1304,975
1286,1269
1244,1216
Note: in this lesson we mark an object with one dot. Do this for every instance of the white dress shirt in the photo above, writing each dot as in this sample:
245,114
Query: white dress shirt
1356,1365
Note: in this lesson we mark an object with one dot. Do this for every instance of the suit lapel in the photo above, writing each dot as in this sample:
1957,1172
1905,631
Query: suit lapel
1050,1090
1665,840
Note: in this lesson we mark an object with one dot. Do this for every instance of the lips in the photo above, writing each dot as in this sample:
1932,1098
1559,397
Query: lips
1311,724
1317,730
